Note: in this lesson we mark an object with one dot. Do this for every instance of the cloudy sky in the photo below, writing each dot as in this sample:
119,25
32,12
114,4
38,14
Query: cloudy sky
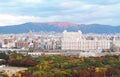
76,11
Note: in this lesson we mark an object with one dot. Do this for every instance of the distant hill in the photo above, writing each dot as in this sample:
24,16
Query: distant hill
59,27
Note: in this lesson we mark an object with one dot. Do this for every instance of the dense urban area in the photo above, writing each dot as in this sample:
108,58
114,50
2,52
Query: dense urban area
59,41
67,54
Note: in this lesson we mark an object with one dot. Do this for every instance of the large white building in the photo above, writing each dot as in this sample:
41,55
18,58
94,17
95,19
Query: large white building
76,41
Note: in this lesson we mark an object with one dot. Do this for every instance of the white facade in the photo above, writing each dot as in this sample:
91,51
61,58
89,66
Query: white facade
76,41
116,42
71,40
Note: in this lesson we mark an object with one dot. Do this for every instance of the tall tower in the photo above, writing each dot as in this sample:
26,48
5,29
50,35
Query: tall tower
31,35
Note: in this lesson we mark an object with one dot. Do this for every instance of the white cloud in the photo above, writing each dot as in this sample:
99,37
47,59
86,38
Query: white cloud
78,11
66,4
70,4
6,19
87,6
28,1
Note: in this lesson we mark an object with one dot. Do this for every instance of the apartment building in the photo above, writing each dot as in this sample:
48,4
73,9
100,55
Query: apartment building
77,41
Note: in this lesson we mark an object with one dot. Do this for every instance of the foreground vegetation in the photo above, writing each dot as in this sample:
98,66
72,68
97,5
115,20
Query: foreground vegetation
66,66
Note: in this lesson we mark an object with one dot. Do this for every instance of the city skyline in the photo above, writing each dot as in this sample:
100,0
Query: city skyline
78,11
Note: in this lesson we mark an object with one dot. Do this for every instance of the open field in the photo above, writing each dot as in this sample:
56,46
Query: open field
11,70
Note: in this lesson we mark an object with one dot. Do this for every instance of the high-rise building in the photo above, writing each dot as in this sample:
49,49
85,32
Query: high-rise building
76,41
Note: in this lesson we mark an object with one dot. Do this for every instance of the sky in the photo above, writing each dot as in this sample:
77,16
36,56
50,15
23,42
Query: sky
76,11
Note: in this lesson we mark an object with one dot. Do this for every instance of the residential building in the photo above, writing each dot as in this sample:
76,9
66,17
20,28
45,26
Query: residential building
77,41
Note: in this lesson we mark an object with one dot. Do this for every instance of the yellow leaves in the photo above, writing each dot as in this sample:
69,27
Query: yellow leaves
43,65
19,57
97,69
22,71
5,74
65,63
18,75
119,59
75,71
81,59
39,67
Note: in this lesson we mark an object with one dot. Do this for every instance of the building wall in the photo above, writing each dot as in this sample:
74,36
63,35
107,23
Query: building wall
21,44
71,40
75,41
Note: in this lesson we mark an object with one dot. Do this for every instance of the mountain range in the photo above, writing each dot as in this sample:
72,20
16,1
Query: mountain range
59,27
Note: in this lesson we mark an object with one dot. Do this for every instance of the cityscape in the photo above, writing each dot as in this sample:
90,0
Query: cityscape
75,41
59,38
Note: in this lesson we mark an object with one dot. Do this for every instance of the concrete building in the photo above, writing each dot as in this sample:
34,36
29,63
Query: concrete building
77,41
21,44
71,40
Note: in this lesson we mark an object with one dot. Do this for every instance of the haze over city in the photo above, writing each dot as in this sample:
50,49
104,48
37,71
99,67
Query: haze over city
77,11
